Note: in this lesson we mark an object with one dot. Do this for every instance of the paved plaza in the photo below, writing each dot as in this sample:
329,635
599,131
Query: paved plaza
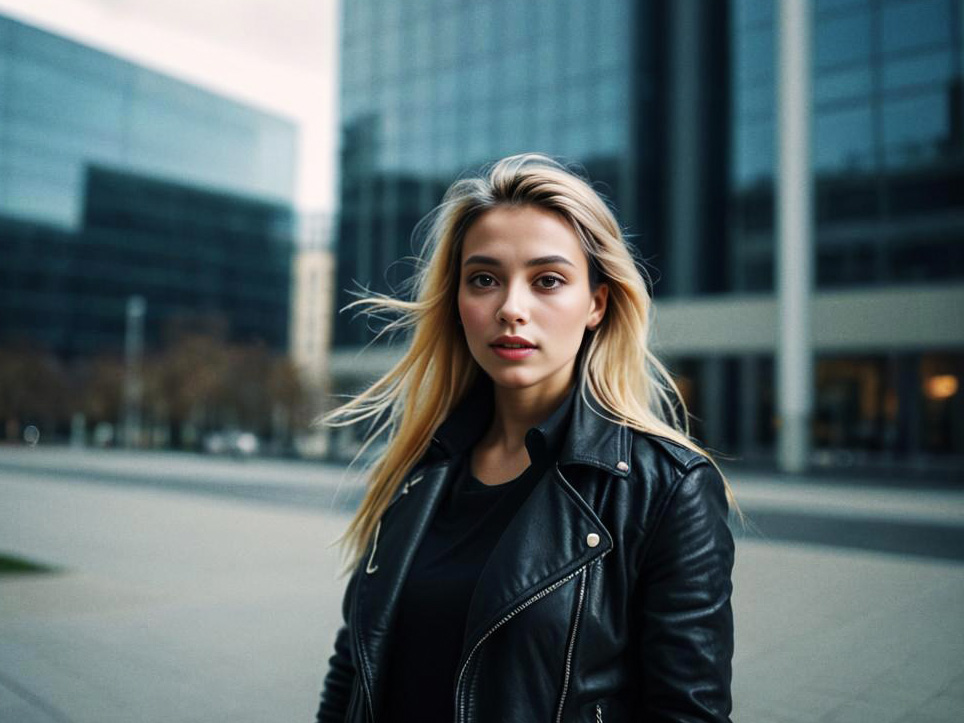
195,589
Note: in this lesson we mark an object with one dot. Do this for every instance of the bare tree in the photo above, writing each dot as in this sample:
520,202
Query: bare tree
33,389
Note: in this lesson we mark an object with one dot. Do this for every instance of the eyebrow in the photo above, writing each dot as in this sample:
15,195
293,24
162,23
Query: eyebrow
539,261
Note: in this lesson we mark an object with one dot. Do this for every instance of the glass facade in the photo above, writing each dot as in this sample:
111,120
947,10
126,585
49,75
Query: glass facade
671,107
887,142
870,408
430,88
115,180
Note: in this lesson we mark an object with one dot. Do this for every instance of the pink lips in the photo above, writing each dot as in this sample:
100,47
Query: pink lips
520,348
514,354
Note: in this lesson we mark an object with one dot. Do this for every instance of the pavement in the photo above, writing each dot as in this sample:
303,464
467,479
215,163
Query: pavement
196,588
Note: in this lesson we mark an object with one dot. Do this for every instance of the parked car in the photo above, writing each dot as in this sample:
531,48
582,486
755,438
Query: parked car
233,442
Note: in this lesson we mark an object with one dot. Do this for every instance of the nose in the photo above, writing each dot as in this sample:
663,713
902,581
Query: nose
513,309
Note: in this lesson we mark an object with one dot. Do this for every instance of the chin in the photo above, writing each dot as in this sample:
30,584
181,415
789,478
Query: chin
513,378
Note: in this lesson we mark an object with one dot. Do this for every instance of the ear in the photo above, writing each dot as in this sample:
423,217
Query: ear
597,310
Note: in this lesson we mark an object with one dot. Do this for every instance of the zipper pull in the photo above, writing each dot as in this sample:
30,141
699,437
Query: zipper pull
369,568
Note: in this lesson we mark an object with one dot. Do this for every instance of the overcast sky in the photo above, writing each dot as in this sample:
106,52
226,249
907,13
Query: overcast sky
277,54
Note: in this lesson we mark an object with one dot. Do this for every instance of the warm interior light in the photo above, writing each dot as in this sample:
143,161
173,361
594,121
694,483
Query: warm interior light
941,386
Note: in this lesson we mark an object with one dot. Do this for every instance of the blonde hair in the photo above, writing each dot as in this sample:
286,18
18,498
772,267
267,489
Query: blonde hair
416,395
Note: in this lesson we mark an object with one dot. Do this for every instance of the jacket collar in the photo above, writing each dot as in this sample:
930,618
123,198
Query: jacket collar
591,437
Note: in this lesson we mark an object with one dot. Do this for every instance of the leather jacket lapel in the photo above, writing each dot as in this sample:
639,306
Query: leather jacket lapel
545,541
386,567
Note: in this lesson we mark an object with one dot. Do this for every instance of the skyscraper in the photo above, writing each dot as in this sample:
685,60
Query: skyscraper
115,181
670,107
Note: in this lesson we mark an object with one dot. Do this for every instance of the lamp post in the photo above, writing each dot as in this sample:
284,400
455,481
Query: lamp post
133,355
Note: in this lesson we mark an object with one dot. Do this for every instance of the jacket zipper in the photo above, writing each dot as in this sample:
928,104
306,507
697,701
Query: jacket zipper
599,713
371,567
572,645
459,695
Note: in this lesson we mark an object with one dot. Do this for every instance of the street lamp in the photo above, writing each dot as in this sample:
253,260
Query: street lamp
133,354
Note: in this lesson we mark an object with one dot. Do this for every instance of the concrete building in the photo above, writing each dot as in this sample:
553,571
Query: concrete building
312,311
312,299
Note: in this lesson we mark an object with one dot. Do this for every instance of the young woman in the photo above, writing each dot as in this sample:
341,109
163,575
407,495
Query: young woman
540,540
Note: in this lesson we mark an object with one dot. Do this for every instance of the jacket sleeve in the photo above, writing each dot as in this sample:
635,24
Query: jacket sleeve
683,604
336,691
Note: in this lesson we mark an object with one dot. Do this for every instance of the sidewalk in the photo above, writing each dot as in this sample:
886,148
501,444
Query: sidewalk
169,608
835,498
180,607
898,520
897,517
821,494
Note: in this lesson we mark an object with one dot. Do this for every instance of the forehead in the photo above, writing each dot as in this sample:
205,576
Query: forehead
523,232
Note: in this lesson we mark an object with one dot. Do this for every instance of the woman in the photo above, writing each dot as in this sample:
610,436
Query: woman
539,540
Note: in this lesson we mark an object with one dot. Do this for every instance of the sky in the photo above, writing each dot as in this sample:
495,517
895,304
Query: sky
280,55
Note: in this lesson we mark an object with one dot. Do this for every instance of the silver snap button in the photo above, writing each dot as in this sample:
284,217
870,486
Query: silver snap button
622,466
592,539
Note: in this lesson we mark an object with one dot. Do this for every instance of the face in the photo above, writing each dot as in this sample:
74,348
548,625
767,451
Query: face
524,297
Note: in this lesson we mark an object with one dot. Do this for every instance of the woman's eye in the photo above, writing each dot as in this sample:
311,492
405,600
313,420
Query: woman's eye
482,280
549,282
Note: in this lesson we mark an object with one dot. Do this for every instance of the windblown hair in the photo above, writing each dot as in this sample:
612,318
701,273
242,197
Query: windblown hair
417,394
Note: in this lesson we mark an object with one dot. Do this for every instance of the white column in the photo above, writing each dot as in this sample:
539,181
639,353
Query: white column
794,261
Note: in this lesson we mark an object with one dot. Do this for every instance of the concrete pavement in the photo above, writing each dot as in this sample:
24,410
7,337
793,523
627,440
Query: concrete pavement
173,607
185,600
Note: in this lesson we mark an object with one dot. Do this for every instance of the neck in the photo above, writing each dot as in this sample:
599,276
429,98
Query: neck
517,410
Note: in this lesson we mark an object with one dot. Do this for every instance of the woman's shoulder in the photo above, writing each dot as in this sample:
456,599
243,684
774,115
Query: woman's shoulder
672,475
659,458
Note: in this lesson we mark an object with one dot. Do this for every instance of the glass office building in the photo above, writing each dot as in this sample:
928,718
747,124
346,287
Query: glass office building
431,88
887,157
117,181
887,138
671,108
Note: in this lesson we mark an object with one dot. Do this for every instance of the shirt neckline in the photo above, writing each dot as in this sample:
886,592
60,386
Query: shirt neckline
477,485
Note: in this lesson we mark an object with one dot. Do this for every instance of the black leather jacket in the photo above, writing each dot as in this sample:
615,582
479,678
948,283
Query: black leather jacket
607,598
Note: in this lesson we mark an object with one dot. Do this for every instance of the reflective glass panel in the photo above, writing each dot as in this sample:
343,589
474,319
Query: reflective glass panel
842,40
907,25
843,140
915,128
918,70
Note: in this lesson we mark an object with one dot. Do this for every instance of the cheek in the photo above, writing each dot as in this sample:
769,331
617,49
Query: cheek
565,313
474,315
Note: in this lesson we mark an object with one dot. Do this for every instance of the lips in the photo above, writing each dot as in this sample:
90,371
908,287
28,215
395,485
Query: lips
512,342
513,348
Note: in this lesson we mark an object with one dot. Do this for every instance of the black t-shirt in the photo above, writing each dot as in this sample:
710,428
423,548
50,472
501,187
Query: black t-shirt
429,626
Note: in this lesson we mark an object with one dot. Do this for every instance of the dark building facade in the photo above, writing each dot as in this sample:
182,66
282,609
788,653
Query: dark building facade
887,143
671,107
116,181
186,252
432,88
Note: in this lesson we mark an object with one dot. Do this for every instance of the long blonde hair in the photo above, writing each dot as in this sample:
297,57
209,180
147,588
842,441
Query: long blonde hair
416,395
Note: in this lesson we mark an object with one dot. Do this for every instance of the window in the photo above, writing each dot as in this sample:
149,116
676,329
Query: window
918,24
934,68
843,140
842,85
843,40
915,128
